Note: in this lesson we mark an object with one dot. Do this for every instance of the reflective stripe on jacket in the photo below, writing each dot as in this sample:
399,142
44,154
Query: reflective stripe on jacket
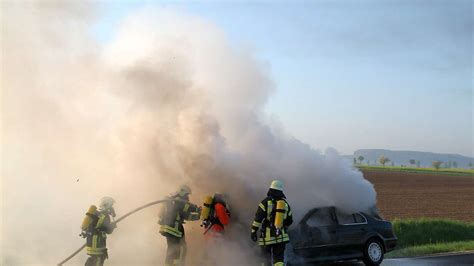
180,211
96,243
265,219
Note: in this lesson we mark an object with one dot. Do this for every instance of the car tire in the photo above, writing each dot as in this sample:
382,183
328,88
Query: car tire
373,252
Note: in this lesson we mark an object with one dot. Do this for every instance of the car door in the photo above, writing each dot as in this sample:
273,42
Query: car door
351,231
317,236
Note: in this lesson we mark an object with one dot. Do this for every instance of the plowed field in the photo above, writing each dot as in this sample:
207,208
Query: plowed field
415,195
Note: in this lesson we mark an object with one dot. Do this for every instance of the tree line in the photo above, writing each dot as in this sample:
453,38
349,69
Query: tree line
383,160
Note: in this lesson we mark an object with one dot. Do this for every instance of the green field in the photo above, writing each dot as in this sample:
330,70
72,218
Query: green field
441,171
428,236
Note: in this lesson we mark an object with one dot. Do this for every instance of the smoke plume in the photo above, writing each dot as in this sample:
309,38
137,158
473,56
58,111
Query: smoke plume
167,101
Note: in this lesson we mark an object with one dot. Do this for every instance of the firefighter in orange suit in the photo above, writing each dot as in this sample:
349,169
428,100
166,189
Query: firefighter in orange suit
218,218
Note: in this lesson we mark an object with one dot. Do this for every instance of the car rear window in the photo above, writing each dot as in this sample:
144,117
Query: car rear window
344,218
321,217
359,218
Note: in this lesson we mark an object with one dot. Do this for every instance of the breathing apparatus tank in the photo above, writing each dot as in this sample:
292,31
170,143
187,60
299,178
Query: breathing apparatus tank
279,213
91,217
206,208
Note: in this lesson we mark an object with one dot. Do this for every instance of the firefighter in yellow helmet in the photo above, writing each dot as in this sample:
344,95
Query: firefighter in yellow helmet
172,216
95,227
272,218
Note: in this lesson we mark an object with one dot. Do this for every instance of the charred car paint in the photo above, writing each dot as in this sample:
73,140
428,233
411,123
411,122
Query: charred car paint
326,234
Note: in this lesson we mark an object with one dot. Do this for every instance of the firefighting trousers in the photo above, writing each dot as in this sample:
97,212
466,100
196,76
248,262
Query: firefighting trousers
275,253
176,252
96,260
212,253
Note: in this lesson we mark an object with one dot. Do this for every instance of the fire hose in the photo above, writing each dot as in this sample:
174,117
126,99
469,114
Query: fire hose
117,221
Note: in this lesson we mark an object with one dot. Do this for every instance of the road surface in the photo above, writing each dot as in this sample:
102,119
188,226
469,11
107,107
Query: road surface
447,259
461,259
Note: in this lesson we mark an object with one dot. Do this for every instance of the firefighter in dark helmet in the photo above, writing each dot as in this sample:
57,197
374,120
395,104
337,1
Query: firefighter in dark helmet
95,227
272,218
172,216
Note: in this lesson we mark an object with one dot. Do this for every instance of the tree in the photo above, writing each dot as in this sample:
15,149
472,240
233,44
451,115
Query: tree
360,158
368,162
412,161
393,163
455,164
355,161
436,164
470,164
383,160
418,164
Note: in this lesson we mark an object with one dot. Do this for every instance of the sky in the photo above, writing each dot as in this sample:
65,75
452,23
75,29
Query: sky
352,74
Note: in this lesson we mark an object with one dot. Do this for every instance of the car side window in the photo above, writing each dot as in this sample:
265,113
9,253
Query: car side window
344,218
359,218
321,217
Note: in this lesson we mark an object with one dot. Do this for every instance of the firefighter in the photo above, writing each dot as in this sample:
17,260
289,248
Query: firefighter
273,217
173,214
95,227
217,218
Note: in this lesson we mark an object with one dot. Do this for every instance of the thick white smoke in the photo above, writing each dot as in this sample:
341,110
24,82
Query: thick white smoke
167,101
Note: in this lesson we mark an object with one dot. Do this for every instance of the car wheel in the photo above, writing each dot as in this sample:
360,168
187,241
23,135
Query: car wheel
373,252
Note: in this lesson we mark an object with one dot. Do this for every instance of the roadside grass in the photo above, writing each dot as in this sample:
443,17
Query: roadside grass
414,232
429,236
441,171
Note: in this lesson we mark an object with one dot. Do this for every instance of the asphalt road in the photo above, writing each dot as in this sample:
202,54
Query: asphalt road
451,259
462,259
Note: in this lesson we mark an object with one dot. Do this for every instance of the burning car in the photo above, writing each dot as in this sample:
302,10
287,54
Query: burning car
327,234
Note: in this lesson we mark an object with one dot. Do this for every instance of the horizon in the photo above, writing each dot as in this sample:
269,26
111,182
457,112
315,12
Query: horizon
393,150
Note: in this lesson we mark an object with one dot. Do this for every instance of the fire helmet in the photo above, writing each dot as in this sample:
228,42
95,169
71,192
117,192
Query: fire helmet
184,190
277,185
106,203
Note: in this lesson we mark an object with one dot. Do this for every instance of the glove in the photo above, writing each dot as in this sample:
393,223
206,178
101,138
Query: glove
253,236
83,234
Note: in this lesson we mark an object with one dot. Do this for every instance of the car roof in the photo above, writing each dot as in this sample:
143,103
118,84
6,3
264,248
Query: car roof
313,210
329,207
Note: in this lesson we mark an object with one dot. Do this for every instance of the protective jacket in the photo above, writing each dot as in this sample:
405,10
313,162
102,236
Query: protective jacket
174,213
265,219
97,234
